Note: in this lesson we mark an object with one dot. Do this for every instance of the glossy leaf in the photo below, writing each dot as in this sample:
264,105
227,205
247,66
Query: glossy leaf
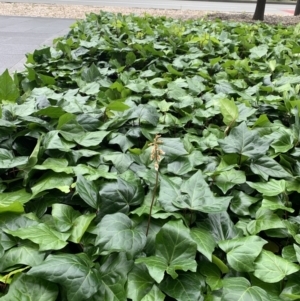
241,252
272,268
73,271
25,254
187,286
154,295
204,240
31,288
120,195
229,111
271,188
139,282
179,255
113,275
53,180
88,191
46,237
245,142
238,288
116,232
266,166
199,197
228,179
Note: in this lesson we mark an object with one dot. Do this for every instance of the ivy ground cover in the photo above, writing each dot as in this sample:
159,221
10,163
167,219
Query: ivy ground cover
196,122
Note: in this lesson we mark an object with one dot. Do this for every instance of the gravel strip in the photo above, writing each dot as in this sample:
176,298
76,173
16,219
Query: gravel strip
79,12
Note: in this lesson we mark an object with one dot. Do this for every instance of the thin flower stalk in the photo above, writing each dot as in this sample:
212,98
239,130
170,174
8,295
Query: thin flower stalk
156,157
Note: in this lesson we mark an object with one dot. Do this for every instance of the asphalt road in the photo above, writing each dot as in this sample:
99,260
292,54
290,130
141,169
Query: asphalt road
171,4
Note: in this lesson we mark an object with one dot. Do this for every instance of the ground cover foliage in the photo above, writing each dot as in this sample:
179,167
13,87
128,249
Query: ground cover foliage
82,163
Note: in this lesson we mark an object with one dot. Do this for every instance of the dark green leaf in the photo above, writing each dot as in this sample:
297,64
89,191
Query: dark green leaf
116,233
266,166
88,191
175,250
74,272
46,237
245,142
120,195
241,252
29,288
186,287
199,197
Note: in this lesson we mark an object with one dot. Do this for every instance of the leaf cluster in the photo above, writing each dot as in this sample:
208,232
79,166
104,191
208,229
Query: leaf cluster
77,180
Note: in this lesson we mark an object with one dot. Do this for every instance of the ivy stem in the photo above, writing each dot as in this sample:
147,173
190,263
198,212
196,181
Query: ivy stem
152,202
191,217
240,160
286,203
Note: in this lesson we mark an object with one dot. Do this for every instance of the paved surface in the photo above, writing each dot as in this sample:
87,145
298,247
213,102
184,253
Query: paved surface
21,35
169,4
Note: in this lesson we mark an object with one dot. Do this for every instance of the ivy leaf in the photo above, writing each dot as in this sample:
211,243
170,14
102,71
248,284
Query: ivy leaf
116,232
266,166
31,288
220,226
204,240
270,188
169,193
80,225
244,142
265,220
72,271
8,88
229,111
173,148
186,287
119,195
274,203
64,216
139,282
88,191
51,180
271,268
13,162
283,142
229,178
291,290
241,202
122,140
289,253
41,234
145,114
175,250
180,167
200,197
241,252
297,251
154,295
91,138
25,253
13,201
119,160
155,265
238,288
258,51
212,275
113,276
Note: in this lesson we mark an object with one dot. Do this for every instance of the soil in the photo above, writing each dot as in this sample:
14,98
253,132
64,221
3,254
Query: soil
79,12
